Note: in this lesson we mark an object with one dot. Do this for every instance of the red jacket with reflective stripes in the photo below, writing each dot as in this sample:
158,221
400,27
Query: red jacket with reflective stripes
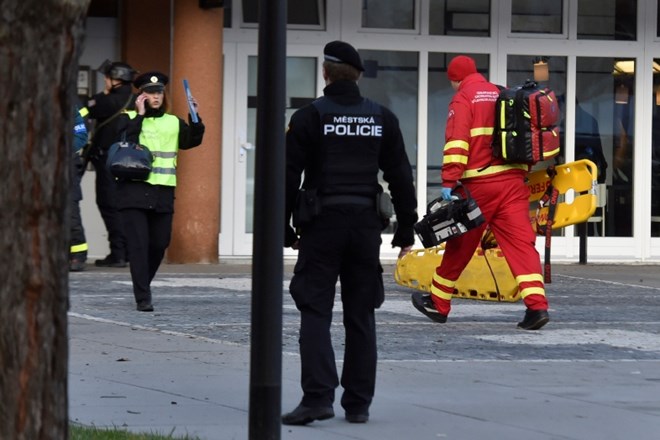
468,153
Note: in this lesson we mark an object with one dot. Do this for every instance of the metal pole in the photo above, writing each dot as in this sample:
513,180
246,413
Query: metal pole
268,238
583,233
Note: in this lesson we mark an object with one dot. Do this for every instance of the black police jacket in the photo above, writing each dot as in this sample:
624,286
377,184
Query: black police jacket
101,107
341,141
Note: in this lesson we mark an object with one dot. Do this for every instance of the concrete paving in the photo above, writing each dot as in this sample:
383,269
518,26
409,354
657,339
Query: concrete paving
592,373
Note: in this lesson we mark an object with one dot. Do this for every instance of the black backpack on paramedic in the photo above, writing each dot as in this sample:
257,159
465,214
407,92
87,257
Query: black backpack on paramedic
526,120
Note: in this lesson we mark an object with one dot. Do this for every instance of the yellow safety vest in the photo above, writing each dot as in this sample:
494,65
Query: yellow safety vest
161,136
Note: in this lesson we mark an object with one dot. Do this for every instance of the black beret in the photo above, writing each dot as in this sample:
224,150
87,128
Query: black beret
341,52
151,81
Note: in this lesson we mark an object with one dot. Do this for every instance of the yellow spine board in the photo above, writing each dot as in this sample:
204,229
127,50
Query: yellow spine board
416,269
577,185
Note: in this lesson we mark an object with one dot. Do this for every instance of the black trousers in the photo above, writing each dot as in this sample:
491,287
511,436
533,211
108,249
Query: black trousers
75,194
106,200
342,242
148,234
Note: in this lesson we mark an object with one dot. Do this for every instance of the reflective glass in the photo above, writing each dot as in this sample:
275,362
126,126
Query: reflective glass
388,14
655,153
604,118
607,20
536,16
299,12
459,17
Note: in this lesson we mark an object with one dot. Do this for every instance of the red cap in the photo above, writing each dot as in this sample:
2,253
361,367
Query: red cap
460,67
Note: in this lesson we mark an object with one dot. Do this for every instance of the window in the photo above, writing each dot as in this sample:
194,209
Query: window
388,14
536,16
605,119
301,14
607,20
460,17
655,153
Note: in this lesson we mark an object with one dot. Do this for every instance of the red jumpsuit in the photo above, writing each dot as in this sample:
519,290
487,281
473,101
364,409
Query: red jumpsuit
498,188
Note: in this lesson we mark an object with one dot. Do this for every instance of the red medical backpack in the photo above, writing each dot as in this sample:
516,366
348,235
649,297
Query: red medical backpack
526,124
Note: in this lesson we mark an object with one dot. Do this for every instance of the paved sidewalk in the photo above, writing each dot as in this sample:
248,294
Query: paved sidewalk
592,373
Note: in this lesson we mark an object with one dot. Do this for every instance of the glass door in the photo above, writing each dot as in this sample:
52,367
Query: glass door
303,78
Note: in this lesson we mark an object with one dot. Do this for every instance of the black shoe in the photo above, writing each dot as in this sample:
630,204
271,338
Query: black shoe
303,415
424,304
534,319
357,418
145,306
76,265
111,261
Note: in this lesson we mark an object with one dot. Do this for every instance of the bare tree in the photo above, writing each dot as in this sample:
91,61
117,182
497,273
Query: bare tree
40,42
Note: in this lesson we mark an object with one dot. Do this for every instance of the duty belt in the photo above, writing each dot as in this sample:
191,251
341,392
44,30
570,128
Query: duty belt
348,199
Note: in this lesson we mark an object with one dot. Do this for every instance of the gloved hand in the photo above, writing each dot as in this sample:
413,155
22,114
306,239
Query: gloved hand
445,193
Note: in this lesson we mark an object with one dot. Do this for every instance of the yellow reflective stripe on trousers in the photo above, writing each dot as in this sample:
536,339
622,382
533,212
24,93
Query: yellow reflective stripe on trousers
437,279
79,248
532,291
529,278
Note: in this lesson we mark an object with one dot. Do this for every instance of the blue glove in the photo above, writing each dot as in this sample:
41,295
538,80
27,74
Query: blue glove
445,193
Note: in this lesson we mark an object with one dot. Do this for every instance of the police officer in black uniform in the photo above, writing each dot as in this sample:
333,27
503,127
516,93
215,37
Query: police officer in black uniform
341,141
105,108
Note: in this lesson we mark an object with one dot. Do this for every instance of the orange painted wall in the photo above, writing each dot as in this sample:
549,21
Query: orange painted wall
145,34
189,45
197,57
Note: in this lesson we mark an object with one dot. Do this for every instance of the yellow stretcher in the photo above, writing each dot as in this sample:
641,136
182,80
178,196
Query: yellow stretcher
576,183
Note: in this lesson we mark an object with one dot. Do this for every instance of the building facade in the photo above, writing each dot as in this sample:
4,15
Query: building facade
597,55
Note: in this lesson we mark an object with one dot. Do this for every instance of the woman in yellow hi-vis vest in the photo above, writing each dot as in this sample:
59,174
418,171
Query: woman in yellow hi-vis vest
147,206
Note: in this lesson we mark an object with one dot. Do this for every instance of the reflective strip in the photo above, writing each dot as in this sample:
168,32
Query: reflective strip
441,293
529,278
494,170
532,291
79,248
83,112
481,131
550,154
502,114
457,144
159,170
454,158
443,281
164,154
438,280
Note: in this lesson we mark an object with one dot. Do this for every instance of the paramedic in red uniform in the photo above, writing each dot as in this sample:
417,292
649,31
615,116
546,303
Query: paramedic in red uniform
500,191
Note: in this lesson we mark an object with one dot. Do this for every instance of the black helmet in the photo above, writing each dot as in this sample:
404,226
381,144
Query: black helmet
117,70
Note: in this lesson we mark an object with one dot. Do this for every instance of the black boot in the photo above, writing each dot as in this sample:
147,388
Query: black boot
111,261
77,261
534,319
303,415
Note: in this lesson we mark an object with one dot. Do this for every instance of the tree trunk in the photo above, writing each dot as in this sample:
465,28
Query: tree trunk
40,42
